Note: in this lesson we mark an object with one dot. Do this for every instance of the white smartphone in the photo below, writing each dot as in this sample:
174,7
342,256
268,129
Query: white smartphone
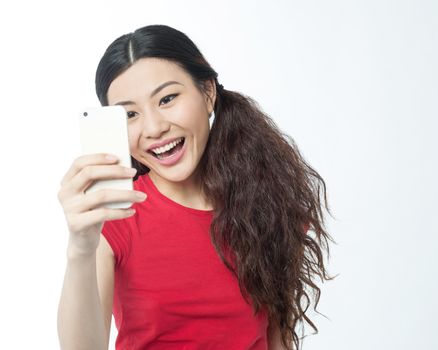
104,130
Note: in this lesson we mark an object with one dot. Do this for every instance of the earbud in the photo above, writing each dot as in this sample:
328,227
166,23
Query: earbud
211,118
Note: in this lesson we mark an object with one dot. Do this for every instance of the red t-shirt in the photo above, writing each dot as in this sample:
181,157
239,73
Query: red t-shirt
171,290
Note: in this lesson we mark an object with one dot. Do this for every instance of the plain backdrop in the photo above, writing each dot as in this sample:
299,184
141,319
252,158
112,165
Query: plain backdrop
354,83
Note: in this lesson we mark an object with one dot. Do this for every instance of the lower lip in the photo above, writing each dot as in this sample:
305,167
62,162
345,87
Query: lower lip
174,158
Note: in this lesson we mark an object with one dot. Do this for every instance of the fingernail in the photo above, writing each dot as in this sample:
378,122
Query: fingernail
141,195
131,171
110,157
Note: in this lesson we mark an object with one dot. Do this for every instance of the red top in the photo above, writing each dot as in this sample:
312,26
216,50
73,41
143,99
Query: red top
171,289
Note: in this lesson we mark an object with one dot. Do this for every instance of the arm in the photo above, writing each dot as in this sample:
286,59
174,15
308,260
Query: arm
80,317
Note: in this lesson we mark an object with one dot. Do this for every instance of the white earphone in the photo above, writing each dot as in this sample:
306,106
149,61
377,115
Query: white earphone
211,118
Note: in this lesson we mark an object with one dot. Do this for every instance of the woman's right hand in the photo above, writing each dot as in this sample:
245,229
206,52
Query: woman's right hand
84,220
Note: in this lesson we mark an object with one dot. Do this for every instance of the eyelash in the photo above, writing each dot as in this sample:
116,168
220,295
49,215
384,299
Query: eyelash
174,95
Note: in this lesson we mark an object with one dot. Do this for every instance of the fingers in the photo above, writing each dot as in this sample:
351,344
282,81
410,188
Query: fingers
88,169
80,222
86,213
92,173
90,201
84,160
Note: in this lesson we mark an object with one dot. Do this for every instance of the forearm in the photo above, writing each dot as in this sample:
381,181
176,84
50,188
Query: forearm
80,318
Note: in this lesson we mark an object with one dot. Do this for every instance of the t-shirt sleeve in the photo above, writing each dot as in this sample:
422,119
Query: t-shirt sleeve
118,235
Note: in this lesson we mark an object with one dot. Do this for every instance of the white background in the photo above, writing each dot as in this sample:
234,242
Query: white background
353,82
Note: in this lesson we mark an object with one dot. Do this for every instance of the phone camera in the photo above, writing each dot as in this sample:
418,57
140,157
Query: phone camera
85,114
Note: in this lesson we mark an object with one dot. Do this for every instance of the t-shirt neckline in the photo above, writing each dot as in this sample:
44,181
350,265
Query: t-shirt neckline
145,177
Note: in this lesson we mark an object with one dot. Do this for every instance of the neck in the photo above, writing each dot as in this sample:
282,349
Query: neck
187,192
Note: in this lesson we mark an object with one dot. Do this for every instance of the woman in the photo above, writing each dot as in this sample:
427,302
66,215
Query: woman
216,257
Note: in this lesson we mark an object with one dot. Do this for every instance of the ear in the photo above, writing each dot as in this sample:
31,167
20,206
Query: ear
210,97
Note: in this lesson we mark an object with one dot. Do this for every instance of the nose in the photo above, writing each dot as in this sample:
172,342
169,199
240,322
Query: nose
154,124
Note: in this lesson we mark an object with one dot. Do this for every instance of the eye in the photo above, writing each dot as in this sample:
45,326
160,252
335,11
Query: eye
130,112
165,98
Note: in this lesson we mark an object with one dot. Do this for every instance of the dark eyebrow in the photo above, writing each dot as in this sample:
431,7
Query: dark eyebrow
154,92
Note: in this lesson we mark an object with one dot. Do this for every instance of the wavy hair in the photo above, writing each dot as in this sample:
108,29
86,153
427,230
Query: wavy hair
264,194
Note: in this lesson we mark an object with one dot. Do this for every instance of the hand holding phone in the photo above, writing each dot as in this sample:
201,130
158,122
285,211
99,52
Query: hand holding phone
85,213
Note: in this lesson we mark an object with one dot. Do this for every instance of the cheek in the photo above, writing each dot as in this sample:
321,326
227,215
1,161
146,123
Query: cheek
133,137
190,114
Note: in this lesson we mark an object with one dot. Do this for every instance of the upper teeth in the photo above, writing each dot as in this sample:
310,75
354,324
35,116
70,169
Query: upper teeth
167,147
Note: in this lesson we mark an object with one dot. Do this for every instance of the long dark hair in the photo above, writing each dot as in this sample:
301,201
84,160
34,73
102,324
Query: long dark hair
263,192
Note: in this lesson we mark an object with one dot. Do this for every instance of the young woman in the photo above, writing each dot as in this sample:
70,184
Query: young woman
217,256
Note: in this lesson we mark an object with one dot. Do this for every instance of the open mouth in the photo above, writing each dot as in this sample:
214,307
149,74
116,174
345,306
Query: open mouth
170,152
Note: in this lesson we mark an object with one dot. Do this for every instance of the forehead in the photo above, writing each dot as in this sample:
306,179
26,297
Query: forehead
143,76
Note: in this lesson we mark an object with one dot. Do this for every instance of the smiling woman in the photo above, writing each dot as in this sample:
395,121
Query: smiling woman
257,263
169,111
